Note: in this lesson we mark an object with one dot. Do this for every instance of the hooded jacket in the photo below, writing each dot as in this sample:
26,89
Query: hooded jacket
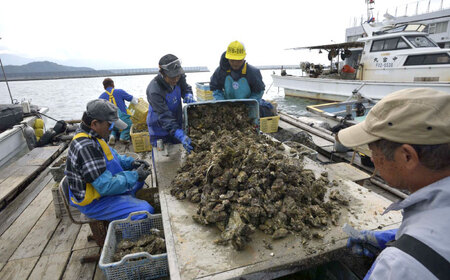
253,76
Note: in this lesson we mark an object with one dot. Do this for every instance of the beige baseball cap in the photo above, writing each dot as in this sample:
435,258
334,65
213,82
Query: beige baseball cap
409,116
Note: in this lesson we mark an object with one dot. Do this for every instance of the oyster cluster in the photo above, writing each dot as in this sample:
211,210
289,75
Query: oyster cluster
153,243
243,181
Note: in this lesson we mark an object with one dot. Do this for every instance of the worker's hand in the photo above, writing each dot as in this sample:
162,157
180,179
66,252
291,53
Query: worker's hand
370,242
134,100
186,141
189,98
142,173
137,163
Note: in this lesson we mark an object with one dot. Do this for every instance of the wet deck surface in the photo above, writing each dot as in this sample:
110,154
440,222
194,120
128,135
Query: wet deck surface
34,244
193,255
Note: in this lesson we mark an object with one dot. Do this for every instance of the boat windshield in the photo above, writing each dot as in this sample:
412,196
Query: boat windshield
404,27
421,42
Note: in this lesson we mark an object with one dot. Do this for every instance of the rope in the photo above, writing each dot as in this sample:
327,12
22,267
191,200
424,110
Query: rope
269,88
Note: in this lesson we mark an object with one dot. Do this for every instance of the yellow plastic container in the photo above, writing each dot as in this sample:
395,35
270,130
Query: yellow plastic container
140,140
39,123
269,124
39,132
138,112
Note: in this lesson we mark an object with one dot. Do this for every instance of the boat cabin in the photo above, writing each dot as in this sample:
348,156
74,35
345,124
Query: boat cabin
402,53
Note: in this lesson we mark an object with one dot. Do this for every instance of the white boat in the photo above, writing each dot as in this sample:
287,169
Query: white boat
389,58
13,142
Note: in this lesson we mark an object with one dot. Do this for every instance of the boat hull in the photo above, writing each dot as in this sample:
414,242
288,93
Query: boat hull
13,142
339,90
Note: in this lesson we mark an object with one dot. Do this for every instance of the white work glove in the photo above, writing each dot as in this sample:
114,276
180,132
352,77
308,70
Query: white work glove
134,101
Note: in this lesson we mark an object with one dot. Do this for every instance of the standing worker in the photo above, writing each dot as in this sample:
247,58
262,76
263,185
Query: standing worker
236,79
164,93
102,184
409,137
117,97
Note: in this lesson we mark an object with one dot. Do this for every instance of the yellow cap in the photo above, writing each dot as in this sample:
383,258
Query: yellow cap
409,116
235,51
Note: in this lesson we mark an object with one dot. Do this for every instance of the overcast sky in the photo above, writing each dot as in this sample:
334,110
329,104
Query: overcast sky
112,34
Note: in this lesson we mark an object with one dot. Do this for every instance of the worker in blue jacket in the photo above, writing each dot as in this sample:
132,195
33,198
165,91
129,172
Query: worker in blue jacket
103,184
118,97
236,79
164,94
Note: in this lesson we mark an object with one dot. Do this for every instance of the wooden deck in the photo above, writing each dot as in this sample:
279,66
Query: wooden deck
34,244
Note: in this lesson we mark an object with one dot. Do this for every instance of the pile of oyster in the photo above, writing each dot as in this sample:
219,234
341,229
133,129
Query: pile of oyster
153,243
243,181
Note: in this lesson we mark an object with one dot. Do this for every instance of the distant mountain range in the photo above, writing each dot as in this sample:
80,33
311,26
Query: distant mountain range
42,66
13,60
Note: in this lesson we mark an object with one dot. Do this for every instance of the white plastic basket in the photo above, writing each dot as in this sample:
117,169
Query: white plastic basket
133,266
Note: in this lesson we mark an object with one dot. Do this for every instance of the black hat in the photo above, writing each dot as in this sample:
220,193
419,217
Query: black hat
103,110
171,65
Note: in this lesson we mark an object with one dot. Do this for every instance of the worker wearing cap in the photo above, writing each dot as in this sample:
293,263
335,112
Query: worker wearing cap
102,184
118,97
164,94
408,133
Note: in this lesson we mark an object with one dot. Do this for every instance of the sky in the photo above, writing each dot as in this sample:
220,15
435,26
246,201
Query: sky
135,34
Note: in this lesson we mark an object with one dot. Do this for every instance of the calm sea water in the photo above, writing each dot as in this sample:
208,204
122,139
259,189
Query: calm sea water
67,98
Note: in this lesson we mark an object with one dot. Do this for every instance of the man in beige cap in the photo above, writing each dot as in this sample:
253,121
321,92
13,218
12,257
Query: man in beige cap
408,133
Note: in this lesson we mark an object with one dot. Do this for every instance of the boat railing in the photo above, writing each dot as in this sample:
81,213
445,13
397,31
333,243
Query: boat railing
409,9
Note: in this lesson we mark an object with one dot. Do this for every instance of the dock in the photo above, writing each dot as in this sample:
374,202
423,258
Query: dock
34,244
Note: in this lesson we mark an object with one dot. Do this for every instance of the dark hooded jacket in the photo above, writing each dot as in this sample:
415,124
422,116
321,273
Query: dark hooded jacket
253,76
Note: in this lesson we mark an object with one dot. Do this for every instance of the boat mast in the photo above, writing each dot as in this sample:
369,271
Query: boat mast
370,6
6,80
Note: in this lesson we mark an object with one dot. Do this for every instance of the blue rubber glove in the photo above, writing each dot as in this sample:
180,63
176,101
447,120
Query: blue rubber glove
189,98
186,141
371,242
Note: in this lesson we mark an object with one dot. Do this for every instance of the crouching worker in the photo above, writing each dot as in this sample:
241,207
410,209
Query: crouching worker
102,184
409,136
164,94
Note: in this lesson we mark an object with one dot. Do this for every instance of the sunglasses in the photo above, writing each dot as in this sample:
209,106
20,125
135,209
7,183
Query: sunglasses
174,65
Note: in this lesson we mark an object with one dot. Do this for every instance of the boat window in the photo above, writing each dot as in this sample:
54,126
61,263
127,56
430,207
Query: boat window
439,27
420,41
402,44
428,59
377,46
389,44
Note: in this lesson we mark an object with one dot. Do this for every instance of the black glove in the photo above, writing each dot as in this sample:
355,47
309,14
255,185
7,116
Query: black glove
137,163
142,173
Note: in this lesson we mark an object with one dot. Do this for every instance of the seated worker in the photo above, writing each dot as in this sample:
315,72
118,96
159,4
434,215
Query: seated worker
164,95
409,136
236,79
102,184
117,97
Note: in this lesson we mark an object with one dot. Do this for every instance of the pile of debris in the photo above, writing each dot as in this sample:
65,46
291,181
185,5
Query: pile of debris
244,181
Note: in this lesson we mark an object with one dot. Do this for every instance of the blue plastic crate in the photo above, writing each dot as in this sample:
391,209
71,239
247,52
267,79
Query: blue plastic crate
251,103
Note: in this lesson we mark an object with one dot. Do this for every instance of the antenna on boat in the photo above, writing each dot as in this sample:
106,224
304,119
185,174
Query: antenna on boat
6,80
370,6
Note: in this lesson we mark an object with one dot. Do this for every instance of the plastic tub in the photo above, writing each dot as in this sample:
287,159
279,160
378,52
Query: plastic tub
140,265
252,104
